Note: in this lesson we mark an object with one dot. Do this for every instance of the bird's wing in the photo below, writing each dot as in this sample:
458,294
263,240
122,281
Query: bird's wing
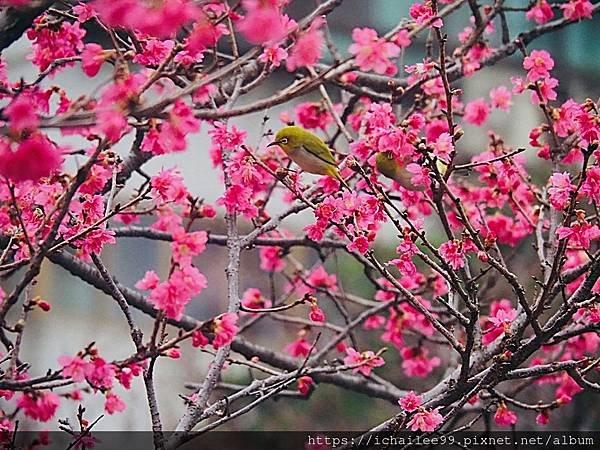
316,147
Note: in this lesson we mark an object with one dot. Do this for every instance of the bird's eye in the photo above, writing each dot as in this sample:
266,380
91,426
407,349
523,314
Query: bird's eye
284,141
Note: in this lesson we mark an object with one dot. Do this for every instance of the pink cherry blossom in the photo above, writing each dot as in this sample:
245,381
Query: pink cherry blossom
504,416
577,9
149,282
168,186
581,234
313,115
410,402
416,362
113,404
173,295
225,329
39,405
423,14
477,112
84,12
372,52
253,299
273,56
199,339
154,52
305,385
316,314
92,58
425,420
541,12
502,314
366,361
500,98
22,112
102,374
187,245
307,49
204,35
270,259
560,190
33,158
161,20
538,64
75,367
263,22
50,44
299,348
542,417
444,146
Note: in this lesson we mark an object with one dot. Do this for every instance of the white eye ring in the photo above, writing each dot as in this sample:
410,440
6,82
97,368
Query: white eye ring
284,141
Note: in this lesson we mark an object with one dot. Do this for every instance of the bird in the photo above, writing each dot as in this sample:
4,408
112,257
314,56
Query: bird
308,151
390,168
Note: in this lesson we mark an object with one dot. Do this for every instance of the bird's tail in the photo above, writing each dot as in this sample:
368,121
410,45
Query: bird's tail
336,173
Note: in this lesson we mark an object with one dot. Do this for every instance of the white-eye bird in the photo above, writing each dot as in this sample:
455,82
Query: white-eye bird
308,151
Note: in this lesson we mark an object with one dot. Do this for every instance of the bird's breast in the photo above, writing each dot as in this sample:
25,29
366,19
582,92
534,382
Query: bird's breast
307,161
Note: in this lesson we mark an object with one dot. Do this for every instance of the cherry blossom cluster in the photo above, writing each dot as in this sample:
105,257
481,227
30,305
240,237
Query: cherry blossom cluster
444,300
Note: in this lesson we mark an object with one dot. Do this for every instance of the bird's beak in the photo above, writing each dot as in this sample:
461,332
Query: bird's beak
274,143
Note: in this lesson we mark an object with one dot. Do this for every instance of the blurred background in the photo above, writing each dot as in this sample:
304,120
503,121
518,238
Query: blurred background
81,314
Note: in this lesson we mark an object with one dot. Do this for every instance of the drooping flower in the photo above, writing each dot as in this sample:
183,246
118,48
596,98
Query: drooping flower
316,314
444,146
417,363
173,295
271,260
504,416
273,56
577,9
579,233
160,19
33,158
299,348
113,404
305,385
541,12
103,374
92,58
538,64
225,329
263,22
39,405
50,43
426,420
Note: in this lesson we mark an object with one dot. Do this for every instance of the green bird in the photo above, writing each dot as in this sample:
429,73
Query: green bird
308,151
392,169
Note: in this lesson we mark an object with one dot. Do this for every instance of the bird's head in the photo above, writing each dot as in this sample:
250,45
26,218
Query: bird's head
288,138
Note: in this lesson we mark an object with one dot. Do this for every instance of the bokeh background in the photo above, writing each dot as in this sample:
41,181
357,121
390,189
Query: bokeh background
81,314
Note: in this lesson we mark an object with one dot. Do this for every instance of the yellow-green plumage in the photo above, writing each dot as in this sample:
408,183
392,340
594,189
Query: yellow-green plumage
308,151
390,168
